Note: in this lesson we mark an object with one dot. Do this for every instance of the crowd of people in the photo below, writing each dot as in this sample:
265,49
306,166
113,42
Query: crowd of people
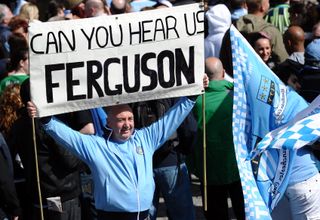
115,162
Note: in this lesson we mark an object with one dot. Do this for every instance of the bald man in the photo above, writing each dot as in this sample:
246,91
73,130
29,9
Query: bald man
223,176
121,160
119,7
214,68
95,8
293,40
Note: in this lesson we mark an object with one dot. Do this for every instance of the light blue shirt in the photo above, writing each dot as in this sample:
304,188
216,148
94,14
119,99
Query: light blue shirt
303,166
122,171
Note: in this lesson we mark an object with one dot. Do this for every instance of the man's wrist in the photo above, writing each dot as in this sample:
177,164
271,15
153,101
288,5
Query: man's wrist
193,97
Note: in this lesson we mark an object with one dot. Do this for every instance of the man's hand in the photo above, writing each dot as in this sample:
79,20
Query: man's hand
205,81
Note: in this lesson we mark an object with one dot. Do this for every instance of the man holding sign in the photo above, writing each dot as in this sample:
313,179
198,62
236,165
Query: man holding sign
109,61
121,162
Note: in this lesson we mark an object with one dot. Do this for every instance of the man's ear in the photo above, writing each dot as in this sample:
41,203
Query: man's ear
262,8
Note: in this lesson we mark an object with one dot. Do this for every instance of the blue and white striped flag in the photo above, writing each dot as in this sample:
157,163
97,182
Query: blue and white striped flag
304,129
262,103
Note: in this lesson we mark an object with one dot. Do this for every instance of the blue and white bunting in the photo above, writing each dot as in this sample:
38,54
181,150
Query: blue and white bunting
303,130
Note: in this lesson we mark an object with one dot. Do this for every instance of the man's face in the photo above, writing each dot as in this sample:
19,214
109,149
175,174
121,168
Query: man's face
121,121
7,17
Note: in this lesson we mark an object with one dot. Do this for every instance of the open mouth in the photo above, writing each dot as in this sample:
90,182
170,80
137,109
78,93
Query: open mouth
125,131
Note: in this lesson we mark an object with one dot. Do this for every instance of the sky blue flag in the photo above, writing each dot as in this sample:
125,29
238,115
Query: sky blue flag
99,118
303,130
262,103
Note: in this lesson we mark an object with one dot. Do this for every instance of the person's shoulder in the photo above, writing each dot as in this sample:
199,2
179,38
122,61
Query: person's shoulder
246,23
229,85
269,28
314,71
240,20
219,85
5,31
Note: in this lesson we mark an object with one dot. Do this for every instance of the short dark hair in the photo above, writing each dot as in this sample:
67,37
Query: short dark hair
253,5
18,50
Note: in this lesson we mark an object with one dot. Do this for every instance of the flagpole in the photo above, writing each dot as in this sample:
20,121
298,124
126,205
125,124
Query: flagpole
37,167
35,150
204,153
205,203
